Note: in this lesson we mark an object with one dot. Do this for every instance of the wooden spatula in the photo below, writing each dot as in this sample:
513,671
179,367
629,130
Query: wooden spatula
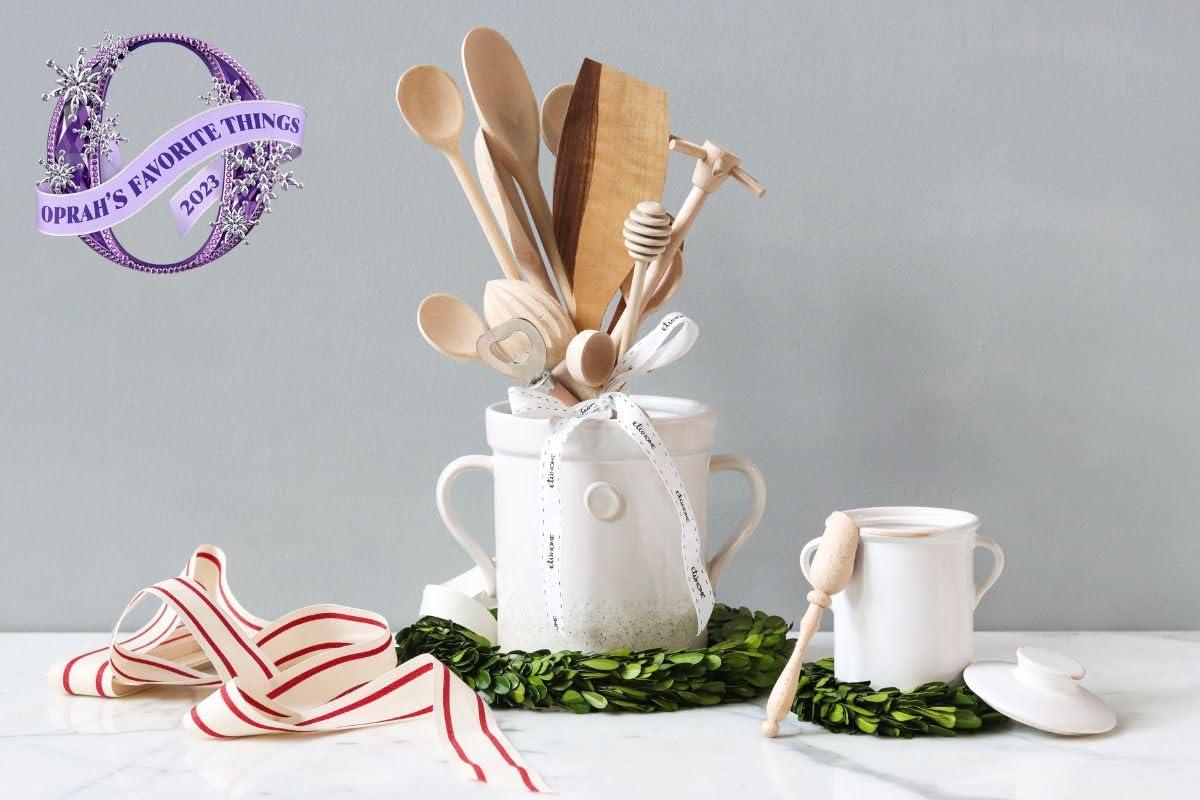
612,155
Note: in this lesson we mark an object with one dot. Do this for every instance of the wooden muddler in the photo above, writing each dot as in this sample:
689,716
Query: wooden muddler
831,569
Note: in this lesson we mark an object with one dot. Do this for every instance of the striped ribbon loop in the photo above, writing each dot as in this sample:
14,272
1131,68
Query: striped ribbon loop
318,669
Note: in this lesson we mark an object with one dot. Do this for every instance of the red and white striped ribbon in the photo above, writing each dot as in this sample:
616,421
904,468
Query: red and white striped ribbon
320,668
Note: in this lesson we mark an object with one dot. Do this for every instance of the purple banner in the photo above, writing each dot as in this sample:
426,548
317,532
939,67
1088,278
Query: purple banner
197,195
172,156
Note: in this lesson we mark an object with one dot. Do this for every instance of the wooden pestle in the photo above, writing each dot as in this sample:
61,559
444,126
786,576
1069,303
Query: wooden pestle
830,572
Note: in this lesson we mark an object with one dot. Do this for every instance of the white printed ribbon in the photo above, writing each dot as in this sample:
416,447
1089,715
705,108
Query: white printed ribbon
318,669
668,341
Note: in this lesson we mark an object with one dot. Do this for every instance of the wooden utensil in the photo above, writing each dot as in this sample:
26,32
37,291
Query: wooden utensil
611,156
656,297
433,108
590,358
713,166
508,113
504,299
831,569
450,326
500,190
554,113
526,364
647,232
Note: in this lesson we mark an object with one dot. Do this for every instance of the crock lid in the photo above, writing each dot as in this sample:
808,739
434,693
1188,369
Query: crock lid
686,426
1042,690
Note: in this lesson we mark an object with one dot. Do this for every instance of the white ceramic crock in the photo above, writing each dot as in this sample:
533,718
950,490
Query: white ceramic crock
907,615
623,581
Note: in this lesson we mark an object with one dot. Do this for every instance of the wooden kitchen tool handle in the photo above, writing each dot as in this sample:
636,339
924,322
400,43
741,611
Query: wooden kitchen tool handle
830,572
497,242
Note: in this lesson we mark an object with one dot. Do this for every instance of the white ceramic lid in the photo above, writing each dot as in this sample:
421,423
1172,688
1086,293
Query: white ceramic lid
1042,690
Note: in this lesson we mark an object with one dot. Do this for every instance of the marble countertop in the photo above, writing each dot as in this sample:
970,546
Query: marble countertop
52,745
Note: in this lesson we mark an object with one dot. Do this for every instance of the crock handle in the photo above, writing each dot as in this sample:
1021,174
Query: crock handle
758,503
997,568
807,554
455,468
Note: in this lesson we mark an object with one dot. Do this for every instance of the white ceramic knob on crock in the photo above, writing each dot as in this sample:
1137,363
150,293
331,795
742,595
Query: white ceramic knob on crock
1042,690
604,501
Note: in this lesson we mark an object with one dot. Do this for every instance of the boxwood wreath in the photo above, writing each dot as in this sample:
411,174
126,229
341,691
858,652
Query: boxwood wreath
746,652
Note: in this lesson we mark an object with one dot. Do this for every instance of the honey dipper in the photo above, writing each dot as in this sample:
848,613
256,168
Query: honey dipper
831,569
647,233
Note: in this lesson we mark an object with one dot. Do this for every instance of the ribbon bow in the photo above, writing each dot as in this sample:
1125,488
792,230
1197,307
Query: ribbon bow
669,340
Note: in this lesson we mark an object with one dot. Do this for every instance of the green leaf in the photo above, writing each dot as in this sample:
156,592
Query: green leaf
595,700
573,701
686,657
602,664
866,724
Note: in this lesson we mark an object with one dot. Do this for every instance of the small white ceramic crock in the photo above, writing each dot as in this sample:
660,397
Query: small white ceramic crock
623,581
907,616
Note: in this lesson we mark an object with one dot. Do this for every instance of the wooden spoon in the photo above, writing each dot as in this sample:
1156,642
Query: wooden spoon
433,108
450,326
501,193
590,358
831,569
554,113
508,113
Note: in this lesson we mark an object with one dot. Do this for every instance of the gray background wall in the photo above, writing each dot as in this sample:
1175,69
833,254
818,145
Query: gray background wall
973,283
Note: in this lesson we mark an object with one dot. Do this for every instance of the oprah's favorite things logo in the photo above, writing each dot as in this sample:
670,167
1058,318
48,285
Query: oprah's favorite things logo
234,153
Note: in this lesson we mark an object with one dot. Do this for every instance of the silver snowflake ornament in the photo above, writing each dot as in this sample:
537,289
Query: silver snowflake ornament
100,135
77,84
233,223
60,173
262,171
112,50
221,93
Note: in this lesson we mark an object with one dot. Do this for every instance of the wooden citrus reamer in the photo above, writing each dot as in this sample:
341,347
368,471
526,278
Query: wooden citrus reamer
831,569
713,165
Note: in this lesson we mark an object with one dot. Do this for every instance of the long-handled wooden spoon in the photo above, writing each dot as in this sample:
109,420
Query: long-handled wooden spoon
501,193
831,569
433,108
450,326
508,113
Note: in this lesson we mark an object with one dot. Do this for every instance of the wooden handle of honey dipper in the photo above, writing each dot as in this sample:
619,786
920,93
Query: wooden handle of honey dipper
830,572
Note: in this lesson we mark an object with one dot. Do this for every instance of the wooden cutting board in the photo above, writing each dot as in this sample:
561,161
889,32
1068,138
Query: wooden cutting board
612,155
